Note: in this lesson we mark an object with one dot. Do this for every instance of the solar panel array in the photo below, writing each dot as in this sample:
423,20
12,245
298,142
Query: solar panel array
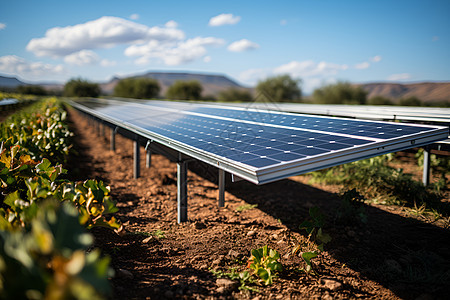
260,146
8,101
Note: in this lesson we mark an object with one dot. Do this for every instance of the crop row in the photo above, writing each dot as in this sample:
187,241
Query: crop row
43,218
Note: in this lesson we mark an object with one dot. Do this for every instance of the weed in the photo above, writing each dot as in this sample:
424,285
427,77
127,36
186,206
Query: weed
159,234
243,277
314,245
352,208
246,207
374,179
264,263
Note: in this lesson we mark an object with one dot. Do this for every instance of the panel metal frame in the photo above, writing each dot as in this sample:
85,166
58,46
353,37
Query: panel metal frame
281,170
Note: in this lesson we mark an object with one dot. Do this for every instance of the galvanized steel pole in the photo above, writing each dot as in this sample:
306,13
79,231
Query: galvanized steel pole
182,190
136,158
221,188
426,165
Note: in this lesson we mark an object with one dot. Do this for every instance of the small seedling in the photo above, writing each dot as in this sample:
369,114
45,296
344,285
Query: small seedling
264,263
244,278
246,207
352,208
316,238
159,234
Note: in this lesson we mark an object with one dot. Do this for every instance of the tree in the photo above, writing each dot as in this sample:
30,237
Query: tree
279,89
340,93
31,90
234,94
81,88
140,88
185,90
379,100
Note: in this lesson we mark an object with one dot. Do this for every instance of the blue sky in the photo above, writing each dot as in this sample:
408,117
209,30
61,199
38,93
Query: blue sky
317,41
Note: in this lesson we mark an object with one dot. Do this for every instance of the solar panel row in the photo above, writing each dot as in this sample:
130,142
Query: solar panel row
251,143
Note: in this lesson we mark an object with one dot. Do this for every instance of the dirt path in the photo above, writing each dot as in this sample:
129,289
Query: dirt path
391,256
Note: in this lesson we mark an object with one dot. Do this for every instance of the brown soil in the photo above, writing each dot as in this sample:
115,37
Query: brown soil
394,255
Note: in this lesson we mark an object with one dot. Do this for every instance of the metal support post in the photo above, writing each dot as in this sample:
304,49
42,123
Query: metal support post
148,155
182,190
97,126
112,145
221,188
102,129
426,165
136,158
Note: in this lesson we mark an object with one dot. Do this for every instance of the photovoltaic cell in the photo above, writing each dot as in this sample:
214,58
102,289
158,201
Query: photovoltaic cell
252,142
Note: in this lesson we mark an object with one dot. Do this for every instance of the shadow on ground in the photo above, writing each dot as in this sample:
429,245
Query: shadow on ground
403,254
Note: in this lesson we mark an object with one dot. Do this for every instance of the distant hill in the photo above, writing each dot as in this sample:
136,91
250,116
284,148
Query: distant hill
214,83
13,82
425,91
211,83
10,82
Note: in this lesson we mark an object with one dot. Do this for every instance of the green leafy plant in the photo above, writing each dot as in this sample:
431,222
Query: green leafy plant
245,279
352,208
159,234
245,207
316,240
49,259
42,243
264,263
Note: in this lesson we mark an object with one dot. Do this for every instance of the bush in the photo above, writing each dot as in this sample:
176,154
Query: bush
185,90
43,218
379,100
139,88
81,88
234,94
410,101
36,90
279,89
340,93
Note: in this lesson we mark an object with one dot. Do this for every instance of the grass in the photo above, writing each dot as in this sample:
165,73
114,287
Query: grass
374,179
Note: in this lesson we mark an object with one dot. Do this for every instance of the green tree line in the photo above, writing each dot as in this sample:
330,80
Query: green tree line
281,88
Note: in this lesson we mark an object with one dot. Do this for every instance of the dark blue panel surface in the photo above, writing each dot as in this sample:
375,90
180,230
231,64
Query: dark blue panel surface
255,138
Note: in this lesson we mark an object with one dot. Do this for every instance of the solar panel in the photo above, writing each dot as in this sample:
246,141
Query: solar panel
372,112
8,101
260,146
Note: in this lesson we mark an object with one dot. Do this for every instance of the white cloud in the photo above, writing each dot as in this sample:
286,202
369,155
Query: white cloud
224,19
2,26
242,45
171,24
134,17
376,58
366,64
82,58
14,65
252,76
104,32
309,68
107,63
173,53
312,74
362,66
399,77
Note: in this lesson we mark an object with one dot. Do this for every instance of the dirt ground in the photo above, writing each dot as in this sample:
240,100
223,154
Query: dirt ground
395,254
